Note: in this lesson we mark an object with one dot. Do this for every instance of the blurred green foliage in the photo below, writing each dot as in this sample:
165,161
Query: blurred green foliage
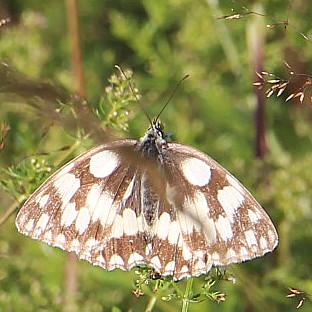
213,111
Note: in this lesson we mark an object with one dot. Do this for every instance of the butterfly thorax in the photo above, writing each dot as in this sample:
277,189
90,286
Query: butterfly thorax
153,143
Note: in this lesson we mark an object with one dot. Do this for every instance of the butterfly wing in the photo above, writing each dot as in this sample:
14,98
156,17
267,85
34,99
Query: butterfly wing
90,207
209,218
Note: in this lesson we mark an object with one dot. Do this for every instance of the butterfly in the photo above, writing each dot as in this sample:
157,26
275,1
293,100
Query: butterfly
149,202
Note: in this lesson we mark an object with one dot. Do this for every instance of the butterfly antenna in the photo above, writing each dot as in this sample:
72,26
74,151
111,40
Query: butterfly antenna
171,95
134,93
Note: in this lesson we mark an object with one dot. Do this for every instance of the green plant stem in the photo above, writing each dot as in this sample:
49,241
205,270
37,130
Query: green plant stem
187,295
151,304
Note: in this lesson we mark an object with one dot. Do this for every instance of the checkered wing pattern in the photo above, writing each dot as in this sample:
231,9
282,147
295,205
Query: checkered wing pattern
112,213
81,208
209,218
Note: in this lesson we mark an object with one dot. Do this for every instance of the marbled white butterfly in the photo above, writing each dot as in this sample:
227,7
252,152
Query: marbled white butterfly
148,202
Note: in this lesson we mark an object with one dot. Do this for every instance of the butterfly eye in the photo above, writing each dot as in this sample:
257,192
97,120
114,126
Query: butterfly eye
160,125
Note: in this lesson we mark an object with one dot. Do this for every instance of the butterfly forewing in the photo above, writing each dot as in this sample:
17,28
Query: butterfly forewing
180,214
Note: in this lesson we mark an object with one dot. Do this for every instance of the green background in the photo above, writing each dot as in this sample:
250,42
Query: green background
213,110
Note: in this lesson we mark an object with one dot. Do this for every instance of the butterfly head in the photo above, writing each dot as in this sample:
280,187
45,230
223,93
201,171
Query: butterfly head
158,127
154,141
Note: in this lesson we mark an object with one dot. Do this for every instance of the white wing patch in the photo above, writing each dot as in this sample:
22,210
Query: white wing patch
69,214
83,220
93,197
105,210
115,261
224,227
197,214
130,226
117,227
66,186
43,200
196,171
230,200
41,224
135,259
102,164
174,232
250,238
163,226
